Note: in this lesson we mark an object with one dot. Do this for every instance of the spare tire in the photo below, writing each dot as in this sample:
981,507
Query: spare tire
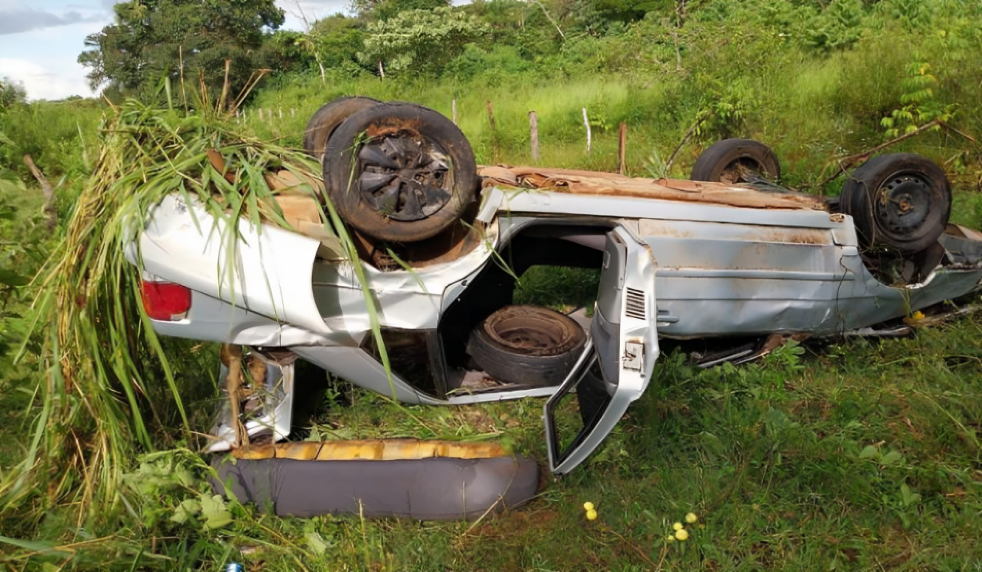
400,172
527,345
729,160
900,200
326,119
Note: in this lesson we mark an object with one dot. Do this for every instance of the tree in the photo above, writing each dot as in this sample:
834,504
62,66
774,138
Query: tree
385,9
284,51
11,93
420,41
151,38
338,39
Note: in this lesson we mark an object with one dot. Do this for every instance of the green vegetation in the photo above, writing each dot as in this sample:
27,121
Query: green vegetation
154,38
88,313
851,455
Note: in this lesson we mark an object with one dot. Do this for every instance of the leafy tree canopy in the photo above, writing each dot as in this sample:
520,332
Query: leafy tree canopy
420,41
386,9
150,38
11,92
339,39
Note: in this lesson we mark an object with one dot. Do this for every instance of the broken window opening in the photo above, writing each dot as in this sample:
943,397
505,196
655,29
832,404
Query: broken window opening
557,265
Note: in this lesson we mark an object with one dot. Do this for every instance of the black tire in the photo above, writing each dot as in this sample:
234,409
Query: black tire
327,119
900,201
527,345
725,162
400,172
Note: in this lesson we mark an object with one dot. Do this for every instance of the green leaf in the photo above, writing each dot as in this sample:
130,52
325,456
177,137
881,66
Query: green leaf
317,543
869,452
184,476
214,512
891,458
186,510
908,496
9,278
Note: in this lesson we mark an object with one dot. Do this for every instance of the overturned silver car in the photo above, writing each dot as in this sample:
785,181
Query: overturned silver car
442,244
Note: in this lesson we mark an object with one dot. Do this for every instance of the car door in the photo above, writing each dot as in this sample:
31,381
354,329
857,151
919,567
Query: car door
616,364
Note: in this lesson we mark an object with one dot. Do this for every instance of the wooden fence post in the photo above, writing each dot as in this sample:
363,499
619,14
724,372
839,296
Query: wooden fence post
281,112
586,121
453,107
260,114
534,137
494,132
50,212
622,149
494,127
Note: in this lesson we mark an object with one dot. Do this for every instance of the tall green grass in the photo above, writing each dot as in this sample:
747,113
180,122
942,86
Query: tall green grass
106,372
60,136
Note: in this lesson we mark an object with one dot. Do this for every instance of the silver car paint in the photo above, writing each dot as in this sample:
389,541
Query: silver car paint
633,367
719,271
716,271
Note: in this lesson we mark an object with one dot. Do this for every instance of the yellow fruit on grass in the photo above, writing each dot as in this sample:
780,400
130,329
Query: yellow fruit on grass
677,526
588,505
591,514
681,534
691,517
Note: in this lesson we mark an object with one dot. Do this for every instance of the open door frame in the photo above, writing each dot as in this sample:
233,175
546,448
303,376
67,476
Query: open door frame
619,356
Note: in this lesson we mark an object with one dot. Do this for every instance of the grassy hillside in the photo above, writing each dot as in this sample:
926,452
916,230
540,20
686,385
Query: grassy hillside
810,110
735,77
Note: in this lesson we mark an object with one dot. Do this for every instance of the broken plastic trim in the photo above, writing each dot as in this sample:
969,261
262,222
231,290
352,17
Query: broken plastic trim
274,413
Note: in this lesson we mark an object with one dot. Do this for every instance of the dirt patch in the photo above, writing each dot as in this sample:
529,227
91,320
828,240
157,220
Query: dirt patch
510,524
476,418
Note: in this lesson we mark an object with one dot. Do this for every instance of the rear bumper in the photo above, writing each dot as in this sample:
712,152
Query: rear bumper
423,489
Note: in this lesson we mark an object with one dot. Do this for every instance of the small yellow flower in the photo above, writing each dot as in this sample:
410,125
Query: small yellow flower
588,505
691,518
670,538
918,315
677,526
591,514
681,534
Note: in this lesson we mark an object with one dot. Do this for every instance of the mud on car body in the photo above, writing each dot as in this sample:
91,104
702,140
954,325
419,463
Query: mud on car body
442,242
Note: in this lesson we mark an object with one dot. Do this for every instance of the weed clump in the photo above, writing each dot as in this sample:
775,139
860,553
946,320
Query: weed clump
106,369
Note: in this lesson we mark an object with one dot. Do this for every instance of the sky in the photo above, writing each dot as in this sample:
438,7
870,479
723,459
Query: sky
40,40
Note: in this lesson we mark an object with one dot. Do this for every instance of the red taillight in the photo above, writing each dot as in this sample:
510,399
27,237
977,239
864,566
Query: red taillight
165,300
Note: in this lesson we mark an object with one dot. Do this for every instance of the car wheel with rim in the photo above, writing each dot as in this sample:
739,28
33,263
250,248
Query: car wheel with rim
527,345
736,161
400,172
900,201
